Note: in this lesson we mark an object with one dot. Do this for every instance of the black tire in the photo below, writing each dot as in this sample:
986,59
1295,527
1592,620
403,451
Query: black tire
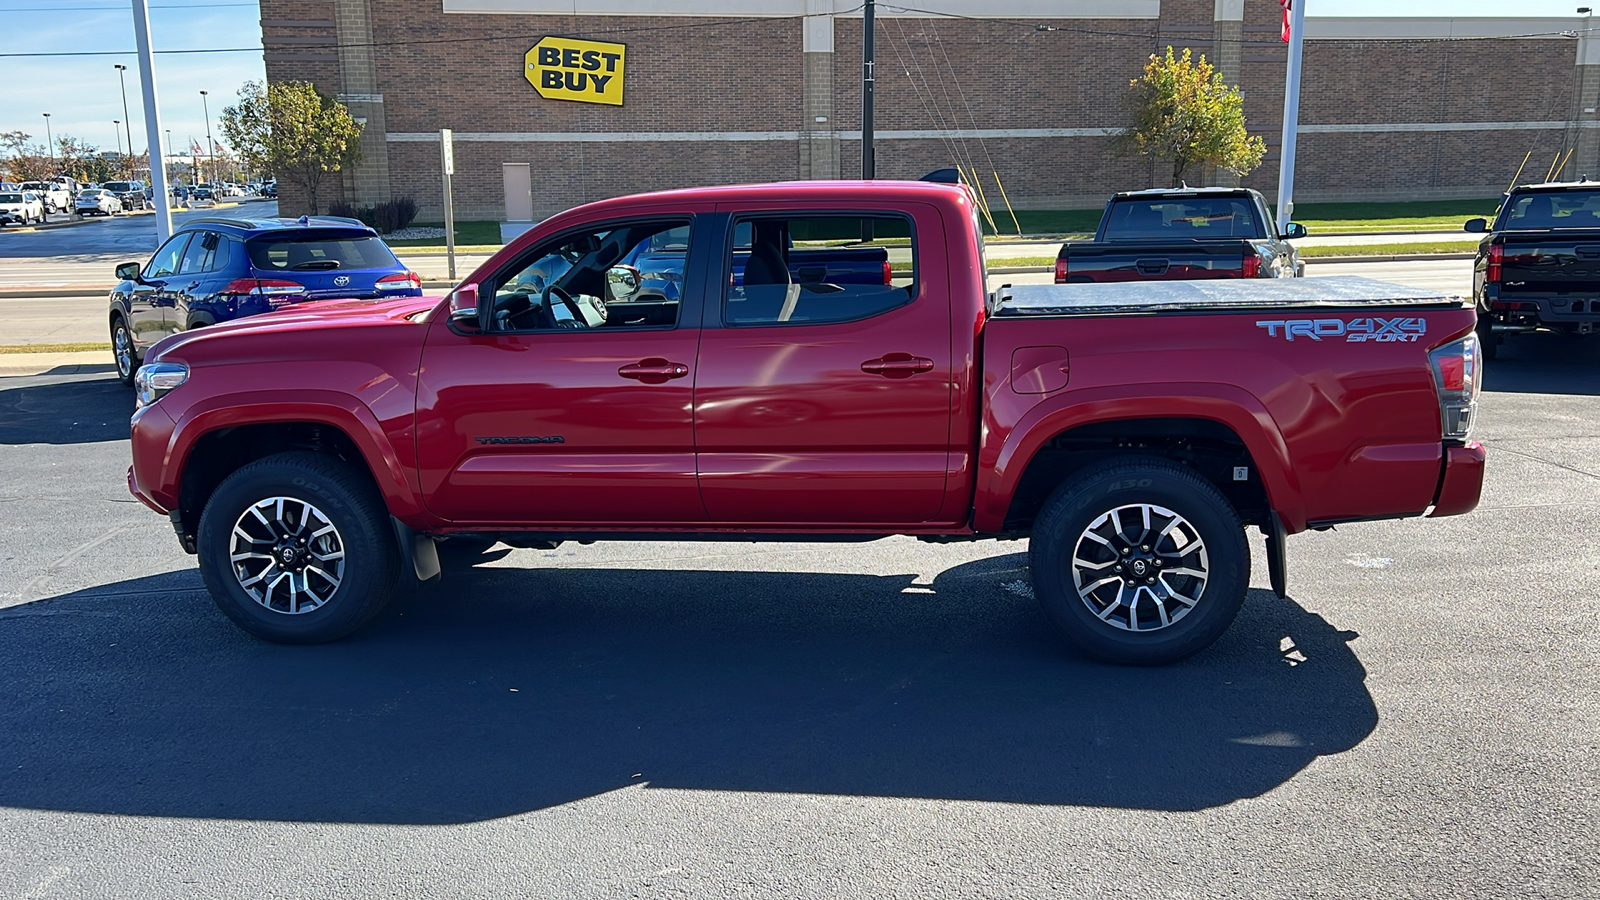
126,367
1487,339
1094,493
348,500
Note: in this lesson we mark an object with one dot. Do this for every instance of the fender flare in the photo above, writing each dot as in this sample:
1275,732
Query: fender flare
1000,469
331,408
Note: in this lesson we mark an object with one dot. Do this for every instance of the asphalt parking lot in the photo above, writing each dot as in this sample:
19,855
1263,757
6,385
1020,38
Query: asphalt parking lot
886,719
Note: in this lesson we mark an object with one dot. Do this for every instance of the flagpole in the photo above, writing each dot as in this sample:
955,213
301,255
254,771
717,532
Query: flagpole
1291,113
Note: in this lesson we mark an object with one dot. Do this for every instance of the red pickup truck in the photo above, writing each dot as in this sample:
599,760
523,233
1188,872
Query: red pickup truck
311,456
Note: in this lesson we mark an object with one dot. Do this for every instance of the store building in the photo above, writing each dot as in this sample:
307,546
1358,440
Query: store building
715,91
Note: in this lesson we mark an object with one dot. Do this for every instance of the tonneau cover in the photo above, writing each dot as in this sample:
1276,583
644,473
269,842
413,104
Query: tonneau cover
1242,295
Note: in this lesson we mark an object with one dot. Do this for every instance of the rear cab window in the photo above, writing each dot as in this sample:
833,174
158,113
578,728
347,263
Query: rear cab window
1551,209
810,268
1183,218
308,252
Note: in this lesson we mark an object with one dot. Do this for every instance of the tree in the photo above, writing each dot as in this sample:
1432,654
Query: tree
24,161
291,130
1184,111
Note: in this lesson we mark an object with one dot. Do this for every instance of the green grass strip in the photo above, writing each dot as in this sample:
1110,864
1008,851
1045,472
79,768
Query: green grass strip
54,348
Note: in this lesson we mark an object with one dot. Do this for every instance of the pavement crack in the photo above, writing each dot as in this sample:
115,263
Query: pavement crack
1550,462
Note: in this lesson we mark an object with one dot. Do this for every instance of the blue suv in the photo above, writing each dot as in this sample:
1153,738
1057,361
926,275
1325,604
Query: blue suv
216,269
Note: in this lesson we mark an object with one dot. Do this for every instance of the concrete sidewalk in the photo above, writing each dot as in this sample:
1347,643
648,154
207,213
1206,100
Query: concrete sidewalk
84,363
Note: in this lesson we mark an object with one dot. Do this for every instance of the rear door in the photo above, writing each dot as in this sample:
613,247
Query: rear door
819,403
201,278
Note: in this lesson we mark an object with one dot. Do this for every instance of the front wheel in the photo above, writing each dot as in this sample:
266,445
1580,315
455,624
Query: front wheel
123,352
1139,561
296,548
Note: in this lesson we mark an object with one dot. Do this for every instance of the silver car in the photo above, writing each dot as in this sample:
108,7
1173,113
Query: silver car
97,202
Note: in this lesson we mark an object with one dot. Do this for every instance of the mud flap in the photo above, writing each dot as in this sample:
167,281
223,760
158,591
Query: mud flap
417,552
1277,555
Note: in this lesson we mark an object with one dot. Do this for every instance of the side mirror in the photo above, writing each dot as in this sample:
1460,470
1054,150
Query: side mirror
1294,230
622,283
129,271
1476,226
464,307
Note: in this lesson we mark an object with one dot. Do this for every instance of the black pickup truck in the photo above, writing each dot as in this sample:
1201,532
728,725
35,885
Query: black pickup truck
1538,267
1183,233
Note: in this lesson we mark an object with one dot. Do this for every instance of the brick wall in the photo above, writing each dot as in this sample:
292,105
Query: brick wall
705,75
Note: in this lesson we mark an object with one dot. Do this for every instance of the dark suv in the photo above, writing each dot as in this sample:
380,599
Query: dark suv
216,269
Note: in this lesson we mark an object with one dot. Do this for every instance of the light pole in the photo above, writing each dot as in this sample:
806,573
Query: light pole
116,126
50,144
127,123
211,146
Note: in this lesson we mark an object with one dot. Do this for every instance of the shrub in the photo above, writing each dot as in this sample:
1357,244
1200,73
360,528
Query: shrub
385,218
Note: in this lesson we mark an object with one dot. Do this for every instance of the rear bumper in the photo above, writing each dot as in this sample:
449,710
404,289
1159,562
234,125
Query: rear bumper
1461,484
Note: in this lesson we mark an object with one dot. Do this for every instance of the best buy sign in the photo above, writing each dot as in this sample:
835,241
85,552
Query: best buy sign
569,69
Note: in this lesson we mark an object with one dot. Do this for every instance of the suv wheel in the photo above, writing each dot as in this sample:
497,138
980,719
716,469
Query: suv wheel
122,352
1139,561
296,548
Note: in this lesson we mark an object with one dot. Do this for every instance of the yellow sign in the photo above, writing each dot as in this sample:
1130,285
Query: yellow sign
585,71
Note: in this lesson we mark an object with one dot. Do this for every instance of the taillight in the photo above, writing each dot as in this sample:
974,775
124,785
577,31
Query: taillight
1497,255
1061,270
888,273
264,287
1252,265
1457,376
407,281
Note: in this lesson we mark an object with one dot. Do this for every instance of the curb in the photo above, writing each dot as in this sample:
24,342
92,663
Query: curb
1410,257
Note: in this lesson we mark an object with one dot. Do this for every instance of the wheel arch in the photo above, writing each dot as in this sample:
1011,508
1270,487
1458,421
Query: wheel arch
1204,426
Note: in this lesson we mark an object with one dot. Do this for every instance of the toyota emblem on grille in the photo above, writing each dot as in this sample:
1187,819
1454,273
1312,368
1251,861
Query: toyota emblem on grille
341,280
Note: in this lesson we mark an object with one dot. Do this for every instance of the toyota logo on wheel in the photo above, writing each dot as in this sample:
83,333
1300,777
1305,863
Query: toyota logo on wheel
341,280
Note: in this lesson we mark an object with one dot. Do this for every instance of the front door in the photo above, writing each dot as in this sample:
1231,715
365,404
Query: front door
571,403
152,296
825,382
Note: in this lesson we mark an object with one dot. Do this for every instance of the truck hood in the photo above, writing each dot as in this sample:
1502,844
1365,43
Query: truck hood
293,331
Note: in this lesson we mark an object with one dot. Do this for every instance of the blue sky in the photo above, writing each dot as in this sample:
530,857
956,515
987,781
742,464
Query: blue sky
82,95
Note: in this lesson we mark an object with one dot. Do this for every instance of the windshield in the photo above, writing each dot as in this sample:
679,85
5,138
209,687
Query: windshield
287,253
88,195
1553,209
1182,218
10,198
118,186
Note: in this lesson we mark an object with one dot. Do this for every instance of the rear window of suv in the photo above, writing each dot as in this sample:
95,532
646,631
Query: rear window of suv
289,254
10,198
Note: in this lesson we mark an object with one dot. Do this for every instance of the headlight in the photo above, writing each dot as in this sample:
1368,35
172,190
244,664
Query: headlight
153,381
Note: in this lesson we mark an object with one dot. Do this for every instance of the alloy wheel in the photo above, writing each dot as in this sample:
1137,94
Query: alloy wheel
287,555
1140,567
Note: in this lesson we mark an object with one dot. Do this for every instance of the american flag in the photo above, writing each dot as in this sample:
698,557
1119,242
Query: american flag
1287,5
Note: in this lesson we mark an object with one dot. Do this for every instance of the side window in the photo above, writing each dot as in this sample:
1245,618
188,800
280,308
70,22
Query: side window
165,260
220,254
200,249
810,269
615,275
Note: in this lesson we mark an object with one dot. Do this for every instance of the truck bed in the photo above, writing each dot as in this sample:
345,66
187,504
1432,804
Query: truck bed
1213,296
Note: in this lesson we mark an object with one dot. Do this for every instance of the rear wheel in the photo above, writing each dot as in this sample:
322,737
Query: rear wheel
1139,561
1487,339
296,548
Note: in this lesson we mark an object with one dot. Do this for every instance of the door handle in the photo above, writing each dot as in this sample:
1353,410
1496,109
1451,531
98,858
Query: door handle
654,370
897,365
192,285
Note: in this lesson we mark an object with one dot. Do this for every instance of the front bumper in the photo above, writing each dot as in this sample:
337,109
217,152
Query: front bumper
1461,483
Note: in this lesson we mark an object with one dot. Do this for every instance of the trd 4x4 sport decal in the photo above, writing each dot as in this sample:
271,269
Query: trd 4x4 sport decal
1384,331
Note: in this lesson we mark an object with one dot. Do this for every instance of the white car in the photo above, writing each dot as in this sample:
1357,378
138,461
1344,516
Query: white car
97,201
21,207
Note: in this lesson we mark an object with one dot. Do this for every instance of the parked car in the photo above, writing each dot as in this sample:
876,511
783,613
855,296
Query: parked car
131,193
202,192
20,208
270,190
1180,234
97,202
1132,431
218,269
55,196
1538,265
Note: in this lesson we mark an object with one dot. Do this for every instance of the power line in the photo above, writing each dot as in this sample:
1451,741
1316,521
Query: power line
10,9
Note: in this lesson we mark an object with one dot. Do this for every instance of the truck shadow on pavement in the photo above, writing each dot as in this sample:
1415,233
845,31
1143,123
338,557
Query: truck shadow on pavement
1545,364
503,691
78,411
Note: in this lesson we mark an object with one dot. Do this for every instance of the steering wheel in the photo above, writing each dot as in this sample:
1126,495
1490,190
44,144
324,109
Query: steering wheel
574,318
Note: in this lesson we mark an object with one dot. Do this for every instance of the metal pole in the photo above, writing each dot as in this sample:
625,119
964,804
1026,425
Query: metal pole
1291,114
127,123
211,146
869,165
152,119
50,144
116,129
447,166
